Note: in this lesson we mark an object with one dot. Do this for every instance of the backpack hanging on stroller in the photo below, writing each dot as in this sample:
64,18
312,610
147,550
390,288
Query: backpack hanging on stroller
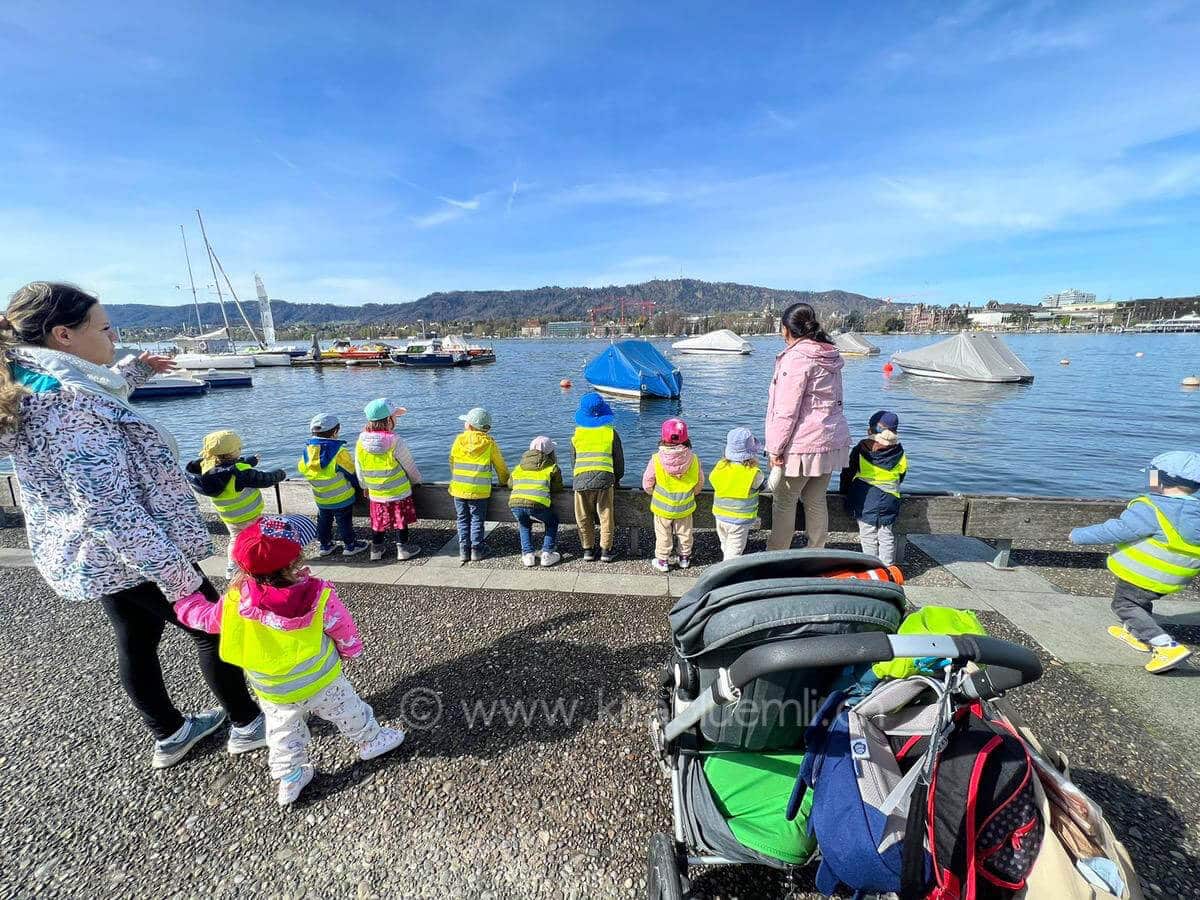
760,643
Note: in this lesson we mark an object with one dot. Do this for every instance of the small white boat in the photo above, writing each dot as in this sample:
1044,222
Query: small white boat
722,342
226,379
202,362
851,344
160,387
271,357
966,357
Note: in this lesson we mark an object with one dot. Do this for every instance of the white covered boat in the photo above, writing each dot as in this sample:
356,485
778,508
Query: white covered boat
851,344
160,387
271,357
966,357
202,362
723,342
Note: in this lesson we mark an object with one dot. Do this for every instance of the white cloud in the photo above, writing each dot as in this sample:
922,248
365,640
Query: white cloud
471,205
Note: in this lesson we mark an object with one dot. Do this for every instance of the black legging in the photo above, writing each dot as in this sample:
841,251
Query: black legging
138,615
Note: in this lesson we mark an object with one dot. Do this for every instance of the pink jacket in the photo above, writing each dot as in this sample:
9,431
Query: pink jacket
676,461
804,405
284,609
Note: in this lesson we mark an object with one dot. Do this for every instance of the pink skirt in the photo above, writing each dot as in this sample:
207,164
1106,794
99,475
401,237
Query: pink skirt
823,463
397,514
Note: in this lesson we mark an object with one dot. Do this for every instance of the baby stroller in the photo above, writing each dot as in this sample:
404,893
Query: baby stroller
759,645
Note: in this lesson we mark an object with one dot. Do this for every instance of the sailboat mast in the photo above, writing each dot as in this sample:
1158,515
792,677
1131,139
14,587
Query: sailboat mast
191,280
237,302
216,282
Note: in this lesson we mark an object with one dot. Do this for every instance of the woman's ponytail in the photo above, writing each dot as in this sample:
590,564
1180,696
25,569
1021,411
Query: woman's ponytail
800,320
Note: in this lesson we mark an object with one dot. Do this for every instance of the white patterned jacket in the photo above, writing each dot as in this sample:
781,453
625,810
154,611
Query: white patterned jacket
106,505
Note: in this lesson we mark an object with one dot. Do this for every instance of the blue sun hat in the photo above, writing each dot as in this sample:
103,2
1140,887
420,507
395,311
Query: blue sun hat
741,445
1179,465
593,411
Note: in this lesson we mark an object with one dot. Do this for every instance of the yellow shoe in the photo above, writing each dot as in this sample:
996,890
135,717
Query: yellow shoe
1121,633
1167,658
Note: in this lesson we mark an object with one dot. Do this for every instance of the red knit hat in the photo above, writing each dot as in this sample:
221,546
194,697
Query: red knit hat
674,431
272,543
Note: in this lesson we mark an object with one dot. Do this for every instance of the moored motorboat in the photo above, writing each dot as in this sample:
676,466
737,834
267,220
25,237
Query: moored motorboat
215,379
851,344
430,353
634,369
204,361
164,387
966,357
477,354
721,342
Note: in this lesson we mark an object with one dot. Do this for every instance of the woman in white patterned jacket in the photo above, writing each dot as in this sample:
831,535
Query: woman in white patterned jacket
110,517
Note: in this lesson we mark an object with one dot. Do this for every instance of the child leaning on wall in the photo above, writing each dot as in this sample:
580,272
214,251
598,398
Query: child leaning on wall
232,481
736,480
387,470
673,478
1157,553
474,458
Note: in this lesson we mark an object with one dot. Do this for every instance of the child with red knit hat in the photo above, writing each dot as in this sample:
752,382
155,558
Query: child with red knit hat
673,478
289,631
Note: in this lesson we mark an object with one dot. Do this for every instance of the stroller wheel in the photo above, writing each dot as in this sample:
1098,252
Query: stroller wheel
665,869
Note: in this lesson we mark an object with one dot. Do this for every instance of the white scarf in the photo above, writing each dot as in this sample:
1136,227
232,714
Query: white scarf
76,372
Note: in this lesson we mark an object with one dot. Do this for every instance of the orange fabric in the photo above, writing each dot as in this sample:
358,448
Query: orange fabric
884,573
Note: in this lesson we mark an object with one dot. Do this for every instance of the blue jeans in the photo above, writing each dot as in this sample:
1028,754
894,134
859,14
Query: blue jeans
345,524
469,514
526,516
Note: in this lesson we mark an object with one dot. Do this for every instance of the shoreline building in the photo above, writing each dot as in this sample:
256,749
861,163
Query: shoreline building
1069,297
567,329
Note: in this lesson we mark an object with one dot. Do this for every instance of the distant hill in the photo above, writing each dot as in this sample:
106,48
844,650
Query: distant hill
685,296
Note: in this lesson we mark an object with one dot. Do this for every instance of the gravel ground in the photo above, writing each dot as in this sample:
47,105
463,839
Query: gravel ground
430,536
553,809
1076,570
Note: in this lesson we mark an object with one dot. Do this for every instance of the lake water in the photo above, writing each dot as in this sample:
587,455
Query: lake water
1082,430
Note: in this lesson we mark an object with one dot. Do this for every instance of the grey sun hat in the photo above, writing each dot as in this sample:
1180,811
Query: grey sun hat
741,445
478,418
323,422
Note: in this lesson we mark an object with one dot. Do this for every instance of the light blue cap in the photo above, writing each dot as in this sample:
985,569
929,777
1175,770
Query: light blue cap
478,418
380,409
1178,464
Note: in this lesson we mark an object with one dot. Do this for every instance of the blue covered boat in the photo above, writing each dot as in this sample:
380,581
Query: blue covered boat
634,369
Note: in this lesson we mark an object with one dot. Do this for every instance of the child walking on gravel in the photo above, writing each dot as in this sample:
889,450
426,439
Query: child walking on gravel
387,470
290,633
1158,553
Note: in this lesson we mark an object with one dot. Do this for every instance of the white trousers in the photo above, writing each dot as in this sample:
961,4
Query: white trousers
878,540
733,538
287,723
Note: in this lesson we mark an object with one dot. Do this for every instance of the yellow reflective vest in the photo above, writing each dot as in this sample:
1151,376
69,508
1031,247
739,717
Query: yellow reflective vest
330,486
531,484
471,472
1163,567
674,497
383,477
887,480
281,666
237,507
593,449
734,499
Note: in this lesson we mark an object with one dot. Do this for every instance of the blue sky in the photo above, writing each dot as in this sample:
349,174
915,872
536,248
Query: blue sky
362,152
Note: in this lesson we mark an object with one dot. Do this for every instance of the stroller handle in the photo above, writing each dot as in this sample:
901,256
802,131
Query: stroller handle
1010,665
835,651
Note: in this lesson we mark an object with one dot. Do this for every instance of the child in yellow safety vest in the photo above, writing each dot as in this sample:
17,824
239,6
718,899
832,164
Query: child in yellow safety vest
328,466
289,633
597,467
387,471
535,479
1158,553
673,478
736,480
871,485
474,458
232,482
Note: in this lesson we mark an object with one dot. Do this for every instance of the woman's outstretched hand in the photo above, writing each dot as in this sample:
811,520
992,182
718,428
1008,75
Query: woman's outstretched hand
159,364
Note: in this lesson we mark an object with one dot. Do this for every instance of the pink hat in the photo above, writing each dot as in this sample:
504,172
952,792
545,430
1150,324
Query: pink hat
674,431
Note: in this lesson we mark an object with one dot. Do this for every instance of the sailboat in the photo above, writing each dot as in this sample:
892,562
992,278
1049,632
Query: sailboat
270,355
215,349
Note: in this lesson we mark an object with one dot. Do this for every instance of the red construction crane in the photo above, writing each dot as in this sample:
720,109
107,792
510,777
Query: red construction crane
624,305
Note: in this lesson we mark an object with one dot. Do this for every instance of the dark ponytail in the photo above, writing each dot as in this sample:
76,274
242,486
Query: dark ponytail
800,320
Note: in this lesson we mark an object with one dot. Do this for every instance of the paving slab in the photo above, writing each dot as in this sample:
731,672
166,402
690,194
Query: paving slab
15,557
678,585
443,576
938,595
968,560
622,585
447,555
533,579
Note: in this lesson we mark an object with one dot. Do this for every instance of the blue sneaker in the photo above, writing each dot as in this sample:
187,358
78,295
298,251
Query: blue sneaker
251,737
195,729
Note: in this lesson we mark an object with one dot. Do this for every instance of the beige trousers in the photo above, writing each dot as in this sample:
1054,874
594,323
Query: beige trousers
669,533
592,507
733,538
809,489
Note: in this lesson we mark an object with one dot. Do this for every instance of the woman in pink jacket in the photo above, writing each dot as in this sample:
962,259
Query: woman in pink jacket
807,435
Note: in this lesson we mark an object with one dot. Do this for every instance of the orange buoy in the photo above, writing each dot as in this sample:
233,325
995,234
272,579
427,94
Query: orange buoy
888,368
565,384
